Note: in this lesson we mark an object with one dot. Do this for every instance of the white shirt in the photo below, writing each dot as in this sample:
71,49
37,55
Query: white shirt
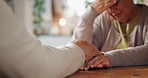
22,55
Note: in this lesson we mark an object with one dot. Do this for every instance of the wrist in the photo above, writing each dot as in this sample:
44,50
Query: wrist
104,53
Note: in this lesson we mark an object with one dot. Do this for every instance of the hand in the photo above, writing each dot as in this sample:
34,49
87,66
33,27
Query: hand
102,5
96,62
89,49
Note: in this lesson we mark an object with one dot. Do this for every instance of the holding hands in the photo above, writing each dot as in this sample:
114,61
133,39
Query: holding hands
89,49
102,5
93,57
98,61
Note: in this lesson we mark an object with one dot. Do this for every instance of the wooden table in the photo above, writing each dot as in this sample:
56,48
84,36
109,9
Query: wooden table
117,72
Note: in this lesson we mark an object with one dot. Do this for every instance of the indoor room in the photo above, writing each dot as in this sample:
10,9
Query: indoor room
73,38
52,21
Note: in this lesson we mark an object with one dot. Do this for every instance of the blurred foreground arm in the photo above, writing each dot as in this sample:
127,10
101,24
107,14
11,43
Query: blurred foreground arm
23,56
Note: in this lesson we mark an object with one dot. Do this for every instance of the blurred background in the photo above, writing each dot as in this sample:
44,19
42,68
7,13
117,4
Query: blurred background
51,21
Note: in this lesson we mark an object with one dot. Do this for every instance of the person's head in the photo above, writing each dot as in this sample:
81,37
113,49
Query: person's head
123,11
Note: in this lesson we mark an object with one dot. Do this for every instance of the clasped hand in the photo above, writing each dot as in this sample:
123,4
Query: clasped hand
89,49
93,57
98,61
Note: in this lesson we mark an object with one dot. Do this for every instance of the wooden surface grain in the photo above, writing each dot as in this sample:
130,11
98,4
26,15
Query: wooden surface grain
117,72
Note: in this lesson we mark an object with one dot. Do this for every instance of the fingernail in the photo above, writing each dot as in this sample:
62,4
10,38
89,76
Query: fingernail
92,66
86,68
81,68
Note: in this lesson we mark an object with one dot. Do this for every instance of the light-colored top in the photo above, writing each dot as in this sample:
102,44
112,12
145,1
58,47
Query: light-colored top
100,30
121,29
23,56
125,31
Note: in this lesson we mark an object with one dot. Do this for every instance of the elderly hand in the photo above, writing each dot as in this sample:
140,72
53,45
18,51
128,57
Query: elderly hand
89,49
102,5
96,62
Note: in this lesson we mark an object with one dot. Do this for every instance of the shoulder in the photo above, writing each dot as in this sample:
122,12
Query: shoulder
104,20
144,10
144,15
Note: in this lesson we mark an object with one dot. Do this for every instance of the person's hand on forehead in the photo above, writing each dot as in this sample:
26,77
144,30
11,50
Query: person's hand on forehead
102,5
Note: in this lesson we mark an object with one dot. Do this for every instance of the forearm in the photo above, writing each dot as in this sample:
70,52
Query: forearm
130,56
85,26
65,60
89,16
36,61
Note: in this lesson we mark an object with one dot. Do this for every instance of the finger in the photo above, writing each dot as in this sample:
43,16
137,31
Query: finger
106,61
99,66
88,65
83,67
109,3
105,64
97,62
103,5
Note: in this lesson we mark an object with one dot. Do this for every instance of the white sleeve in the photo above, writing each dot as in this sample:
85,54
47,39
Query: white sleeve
23,56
